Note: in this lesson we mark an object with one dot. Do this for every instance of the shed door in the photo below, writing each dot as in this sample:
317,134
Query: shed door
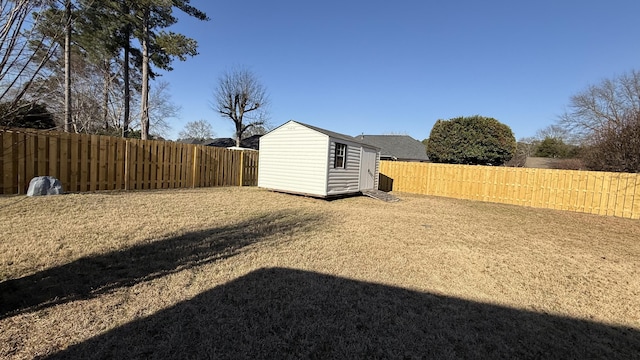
367,168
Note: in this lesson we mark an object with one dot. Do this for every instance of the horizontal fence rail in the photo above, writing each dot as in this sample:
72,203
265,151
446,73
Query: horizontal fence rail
603,193
90,162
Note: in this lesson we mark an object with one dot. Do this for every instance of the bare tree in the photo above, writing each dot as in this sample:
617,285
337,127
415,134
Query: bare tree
525,147
85,97
23,51
67,65
161,109
555,131
241,98
608,105
261,129
256,130
200,130
606,117
616,148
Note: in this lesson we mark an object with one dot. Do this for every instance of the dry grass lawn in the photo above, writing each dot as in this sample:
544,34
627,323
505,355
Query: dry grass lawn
247,273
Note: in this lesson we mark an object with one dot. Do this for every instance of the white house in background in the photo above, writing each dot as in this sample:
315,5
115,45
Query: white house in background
303,159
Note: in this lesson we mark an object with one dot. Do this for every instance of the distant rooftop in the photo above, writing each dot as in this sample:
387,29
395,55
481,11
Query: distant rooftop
397,147
252,142
194,141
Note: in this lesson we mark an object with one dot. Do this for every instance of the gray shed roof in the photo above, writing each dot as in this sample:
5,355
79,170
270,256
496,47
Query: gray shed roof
400,147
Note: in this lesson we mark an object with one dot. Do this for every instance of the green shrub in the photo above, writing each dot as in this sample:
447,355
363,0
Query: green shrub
471,140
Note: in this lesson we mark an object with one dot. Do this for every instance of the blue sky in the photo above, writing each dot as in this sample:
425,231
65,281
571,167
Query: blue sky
379,67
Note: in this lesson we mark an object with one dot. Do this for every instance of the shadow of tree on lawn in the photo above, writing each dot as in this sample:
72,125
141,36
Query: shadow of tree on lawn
282,313
91,276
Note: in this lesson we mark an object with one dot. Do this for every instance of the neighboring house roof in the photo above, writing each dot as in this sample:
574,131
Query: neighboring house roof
329,133
397,147
252,142
194,141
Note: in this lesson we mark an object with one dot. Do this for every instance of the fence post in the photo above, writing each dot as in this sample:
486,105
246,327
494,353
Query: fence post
126,164
194,173
241,167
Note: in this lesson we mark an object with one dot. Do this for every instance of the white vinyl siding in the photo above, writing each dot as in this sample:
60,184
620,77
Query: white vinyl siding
299,158
376,177
346,180
293,158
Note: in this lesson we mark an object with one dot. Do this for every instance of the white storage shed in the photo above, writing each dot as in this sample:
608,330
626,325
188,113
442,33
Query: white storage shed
303,159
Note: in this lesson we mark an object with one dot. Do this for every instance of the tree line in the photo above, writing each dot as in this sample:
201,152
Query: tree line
83,65
600,131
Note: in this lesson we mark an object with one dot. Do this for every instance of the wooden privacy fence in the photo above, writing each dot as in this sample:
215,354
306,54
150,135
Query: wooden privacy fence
594,192
91,162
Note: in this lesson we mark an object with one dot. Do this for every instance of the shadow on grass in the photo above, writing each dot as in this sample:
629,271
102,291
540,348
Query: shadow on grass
283,313
91,276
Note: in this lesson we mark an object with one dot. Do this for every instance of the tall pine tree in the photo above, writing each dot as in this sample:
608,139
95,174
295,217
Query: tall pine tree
160,47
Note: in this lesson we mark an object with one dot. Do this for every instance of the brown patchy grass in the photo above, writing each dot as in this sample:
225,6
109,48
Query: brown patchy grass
247,273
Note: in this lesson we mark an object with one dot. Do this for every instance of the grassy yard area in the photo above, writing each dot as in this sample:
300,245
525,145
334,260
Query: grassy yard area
247,273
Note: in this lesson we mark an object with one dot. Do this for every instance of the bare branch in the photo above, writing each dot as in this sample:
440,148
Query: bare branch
238,94
607,117
199,130
24,51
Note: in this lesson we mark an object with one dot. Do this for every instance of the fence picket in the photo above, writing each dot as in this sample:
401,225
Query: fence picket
63,161
581,191
635,205
153,164
42,155
629,194
52,157
620,195
21,148
91,162
8,174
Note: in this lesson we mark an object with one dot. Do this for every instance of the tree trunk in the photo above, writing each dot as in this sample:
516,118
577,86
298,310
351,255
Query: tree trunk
67,67
105,94
238,132
125,75
127,92
144,111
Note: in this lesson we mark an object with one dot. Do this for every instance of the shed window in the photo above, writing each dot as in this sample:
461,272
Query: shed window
339,160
